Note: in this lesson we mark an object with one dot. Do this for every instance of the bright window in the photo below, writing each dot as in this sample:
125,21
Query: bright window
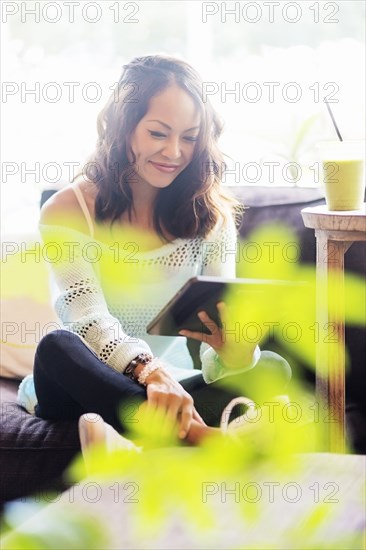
267,67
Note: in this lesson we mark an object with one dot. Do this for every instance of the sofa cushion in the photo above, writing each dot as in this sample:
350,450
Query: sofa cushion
284,204
33,452
25,303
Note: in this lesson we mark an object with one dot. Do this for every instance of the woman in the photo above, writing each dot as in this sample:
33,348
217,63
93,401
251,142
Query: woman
151,202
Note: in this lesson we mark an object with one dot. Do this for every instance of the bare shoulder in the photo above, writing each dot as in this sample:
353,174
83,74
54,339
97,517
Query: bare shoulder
63,208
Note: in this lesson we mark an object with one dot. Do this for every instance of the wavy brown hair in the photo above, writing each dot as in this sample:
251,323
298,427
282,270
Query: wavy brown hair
194,202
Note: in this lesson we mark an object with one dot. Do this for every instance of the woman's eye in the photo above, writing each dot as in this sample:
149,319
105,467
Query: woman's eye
157,134
161,136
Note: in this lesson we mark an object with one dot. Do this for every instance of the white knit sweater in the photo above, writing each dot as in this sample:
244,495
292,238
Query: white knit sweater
109,293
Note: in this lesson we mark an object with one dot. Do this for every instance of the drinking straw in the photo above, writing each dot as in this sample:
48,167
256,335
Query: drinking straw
333,120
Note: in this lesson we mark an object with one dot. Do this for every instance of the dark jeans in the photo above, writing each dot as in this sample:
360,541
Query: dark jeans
71,380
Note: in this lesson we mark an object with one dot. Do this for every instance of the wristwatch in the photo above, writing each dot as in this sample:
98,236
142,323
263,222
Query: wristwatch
141,359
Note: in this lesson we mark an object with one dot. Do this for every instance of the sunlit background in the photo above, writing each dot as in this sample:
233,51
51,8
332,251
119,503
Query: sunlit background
267,67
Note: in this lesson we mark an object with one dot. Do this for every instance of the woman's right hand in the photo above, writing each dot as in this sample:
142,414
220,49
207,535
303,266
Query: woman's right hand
169,396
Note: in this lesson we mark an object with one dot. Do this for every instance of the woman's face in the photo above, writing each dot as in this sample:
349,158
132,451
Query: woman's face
164,139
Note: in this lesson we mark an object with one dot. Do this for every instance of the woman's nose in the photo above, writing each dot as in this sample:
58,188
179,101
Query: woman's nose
172,149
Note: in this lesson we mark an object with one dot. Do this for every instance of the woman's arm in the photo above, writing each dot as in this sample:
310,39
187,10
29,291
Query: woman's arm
82,307
220,260
81,304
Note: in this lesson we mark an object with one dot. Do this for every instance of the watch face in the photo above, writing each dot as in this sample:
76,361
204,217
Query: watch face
141,359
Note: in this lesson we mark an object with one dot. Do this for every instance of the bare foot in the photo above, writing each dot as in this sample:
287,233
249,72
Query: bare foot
199,431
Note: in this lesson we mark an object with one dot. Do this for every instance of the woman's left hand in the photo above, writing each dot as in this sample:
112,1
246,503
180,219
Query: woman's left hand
216,338
231,353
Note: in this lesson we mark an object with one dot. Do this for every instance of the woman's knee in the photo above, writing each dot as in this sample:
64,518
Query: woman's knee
54,342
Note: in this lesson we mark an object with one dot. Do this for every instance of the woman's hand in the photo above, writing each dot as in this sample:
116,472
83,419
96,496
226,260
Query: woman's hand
233,354
167,395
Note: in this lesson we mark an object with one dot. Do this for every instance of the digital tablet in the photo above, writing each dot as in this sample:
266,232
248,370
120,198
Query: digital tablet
202,293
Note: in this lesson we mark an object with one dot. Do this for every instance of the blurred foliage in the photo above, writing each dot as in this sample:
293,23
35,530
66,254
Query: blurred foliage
272,251
170,476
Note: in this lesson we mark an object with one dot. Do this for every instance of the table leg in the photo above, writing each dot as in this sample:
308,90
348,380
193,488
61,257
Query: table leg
330,360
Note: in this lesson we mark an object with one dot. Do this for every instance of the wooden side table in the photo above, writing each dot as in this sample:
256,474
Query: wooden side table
335,232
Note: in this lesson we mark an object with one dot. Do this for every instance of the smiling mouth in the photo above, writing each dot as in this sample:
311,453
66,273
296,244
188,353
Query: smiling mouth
168,168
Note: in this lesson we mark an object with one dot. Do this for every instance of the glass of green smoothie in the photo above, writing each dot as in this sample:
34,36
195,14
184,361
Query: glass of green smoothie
343,173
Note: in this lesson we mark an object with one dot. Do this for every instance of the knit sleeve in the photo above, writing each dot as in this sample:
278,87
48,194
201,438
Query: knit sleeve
81,305
219,259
